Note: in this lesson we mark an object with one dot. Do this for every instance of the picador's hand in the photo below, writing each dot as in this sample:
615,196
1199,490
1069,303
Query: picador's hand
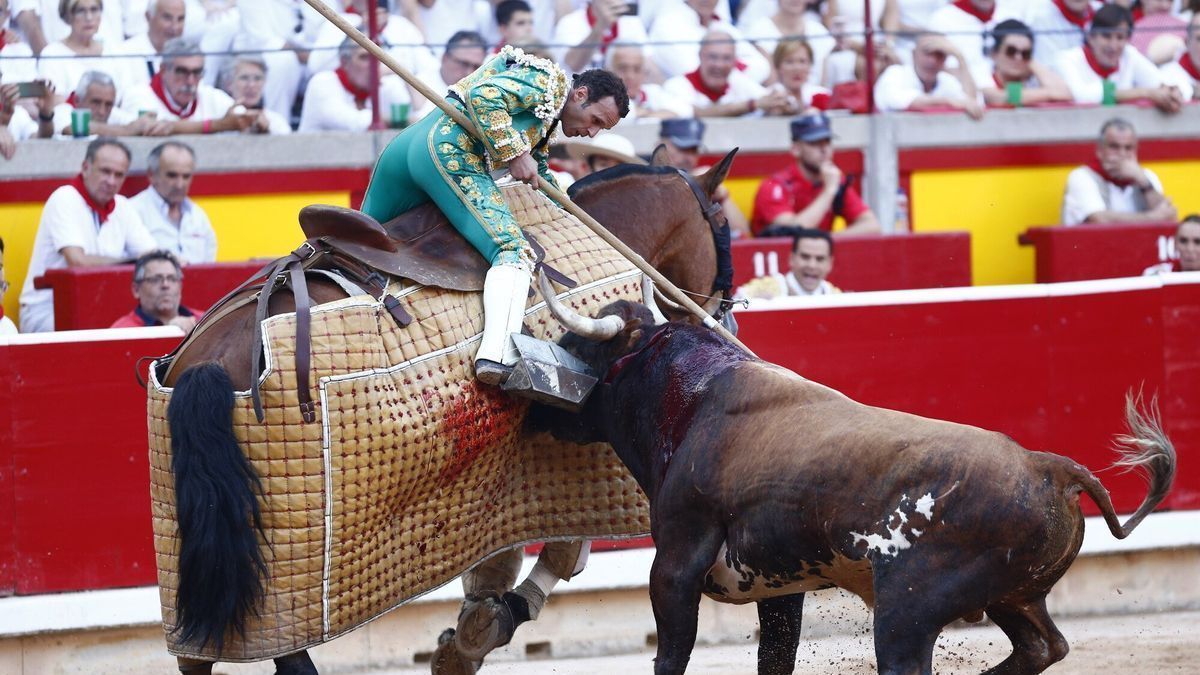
524,168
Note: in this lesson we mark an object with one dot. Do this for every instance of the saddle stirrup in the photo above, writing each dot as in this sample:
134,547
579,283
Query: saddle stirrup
505,291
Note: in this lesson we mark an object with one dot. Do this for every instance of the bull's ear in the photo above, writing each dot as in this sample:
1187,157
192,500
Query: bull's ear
633,336
660,157
716,175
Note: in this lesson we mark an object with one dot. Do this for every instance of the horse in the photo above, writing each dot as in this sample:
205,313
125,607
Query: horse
662,213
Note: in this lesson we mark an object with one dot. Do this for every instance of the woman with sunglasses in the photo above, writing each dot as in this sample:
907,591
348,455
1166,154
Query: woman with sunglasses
1016,79
65,61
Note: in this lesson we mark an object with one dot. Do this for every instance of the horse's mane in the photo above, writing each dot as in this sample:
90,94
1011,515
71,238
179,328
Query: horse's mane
614,172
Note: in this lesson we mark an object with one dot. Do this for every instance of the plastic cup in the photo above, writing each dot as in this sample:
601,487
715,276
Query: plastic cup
81,122
1110,93
399,115
1014,91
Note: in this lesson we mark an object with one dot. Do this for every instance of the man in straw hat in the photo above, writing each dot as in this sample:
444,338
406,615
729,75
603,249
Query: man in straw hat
605,151
516,101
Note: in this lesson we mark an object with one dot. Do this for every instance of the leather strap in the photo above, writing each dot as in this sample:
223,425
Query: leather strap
723,282
303,339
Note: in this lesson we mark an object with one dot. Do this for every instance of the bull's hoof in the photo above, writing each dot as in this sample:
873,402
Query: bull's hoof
447,660
485,624
490,372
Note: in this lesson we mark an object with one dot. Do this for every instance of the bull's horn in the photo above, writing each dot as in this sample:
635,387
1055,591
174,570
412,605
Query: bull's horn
593,329
648,291
671,304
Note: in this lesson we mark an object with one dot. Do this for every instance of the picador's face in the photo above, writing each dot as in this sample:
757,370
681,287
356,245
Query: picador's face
583,118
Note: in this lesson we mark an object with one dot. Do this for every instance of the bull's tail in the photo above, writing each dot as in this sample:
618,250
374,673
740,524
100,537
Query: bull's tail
216,504
1145,447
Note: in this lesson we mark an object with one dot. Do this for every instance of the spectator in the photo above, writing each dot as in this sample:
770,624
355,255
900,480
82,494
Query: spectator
793,60
1106,69
65,61
584,35
16,57
682,138
42,22
604,151
810,263
926,84
15,122
1187,245
1157,32
1185,73
845,19
175,221
646,100
794,22
1012,56
463,55
243,78
1114,188
810,192
402,40
717,89
514,21
1059,26
164,22
176,94
158,289
967,24
7,327
98,94
676,32
85,222
443,19
284,32
341,100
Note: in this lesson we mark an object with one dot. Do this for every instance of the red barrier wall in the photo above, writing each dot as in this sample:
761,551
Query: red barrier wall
1097,251
1049,371
872,262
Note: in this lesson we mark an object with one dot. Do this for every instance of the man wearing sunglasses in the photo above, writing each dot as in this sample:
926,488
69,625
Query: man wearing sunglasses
158,289
177,94
1016,79
1107,69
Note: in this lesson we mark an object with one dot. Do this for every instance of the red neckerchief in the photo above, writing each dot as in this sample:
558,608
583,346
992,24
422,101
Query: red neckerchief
966,6
1077,19
1100,70
1094,165
102,212
607,37
821,101
698,83
641,97
498,47
2,44
1138,13
71,101
996,78
156,85
1189,67
360,95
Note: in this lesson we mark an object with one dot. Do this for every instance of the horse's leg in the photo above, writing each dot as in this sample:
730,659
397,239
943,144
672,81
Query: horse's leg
779,633
490,621
194,666
299,663
490,579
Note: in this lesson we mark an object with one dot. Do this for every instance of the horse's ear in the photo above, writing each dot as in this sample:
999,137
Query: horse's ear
716,175
660,157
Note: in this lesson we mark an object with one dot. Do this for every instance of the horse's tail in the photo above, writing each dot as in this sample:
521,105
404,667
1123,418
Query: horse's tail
1145,447
221,566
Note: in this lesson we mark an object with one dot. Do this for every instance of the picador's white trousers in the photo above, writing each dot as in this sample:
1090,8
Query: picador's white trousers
505,290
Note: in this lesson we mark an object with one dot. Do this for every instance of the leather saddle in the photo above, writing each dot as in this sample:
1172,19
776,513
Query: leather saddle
420,244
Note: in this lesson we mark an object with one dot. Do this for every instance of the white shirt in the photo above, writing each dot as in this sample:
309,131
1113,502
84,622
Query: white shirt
654,98
739,89
807,92
7,327
447,17
192,241
899,86
211,103
67,220
678,33
767,35
573,30
919,12
329,107
22,126
18,63
1088,193
823,288
66,72
142,57
432,78
401,38
1133,71
112,28
1053,33
1174,75
277,125
271,22
969,34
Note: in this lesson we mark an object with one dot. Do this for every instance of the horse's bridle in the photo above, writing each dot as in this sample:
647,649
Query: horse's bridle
723,282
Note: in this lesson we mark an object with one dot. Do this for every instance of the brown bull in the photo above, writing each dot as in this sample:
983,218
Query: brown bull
764,485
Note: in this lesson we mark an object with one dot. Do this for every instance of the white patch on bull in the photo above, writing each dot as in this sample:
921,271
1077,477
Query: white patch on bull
892,540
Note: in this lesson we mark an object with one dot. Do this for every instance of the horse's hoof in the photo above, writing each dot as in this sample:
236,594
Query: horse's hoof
447,660
483,626
299,663
490,372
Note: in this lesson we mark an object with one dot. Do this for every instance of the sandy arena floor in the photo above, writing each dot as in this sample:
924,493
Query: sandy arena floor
1154,644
